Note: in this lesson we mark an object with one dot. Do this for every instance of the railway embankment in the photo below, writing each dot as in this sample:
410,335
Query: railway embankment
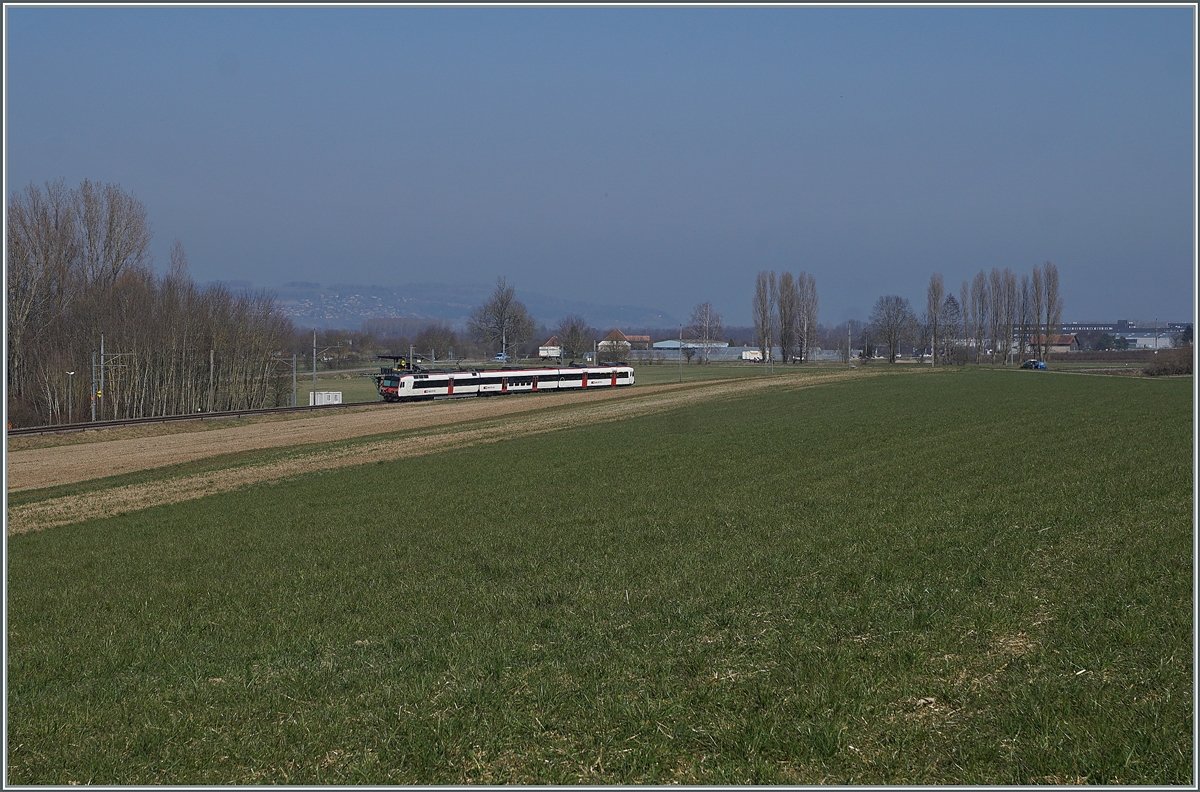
323,442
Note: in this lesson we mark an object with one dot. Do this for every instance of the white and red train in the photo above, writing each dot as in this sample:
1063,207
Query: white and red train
414,385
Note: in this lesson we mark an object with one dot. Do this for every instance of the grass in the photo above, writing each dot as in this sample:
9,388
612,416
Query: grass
978,577
672,372
354,387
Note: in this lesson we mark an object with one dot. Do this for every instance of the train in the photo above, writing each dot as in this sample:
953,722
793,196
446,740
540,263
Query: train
420,384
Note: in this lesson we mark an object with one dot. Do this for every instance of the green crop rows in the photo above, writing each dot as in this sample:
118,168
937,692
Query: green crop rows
978,577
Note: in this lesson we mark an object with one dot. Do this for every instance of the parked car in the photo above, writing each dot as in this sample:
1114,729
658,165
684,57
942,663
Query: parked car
501,357
1033,364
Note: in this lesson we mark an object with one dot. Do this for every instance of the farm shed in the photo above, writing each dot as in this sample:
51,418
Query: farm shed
1059,343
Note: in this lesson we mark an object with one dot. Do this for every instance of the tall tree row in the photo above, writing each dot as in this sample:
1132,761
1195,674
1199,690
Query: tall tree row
785,313
79,268
995,316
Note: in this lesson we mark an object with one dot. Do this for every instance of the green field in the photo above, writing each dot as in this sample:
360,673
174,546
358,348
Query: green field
971,577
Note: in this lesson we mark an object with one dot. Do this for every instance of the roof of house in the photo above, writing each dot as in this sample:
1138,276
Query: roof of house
638,339
1056,340
616,335
552,341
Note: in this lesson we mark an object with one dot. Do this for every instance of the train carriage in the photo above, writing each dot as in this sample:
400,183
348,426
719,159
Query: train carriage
418,385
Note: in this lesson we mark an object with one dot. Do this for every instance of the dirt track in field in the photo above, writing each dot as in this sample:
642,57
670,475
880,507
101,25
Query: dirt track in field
491,420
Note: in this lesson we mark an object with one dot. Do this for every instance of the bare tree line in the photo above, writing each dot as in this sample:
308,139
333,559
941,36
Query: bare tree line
79,267
994,318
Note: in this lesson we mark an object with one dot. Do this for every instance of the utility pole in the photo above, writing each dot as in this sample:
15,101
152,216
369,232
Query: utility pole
294,380
212,360
681,353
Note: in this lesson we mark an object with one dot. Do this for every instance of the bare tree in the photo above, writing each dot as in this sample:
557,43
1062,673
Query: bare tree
995,310
114,232
1009,307
1053,304
438,340
763,309
922,333
1038,302
807,318
501,319
979,312
575,336
934,296
892,318
964,305
951,322
705,327
787,312
1024,313
42,272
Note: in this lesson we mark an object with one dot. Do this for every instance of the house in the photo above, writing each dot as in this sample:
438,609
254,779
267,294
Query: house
551,349
1058,343
615,341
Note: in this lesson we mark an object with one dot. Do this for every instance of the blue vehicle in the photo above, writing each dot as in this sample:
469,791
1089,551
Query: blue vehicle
1033,364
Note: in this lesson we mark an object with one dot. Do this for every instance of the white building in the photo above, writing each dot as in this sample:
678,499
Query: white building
551,349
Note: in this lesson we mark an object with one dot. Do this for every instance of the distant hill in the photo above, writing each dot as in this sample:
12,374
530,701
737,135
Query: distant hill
349,305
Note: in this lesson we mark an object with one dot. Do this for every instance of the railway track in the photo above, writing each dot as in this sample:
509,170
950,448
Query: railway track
161,419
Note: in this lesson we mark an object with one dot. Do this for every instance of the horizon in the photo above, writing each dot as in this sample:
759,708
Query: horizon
550,322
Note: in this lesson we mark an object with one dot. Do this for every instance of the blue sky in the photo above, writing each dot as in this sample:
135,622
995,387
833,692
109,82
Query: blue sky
648,156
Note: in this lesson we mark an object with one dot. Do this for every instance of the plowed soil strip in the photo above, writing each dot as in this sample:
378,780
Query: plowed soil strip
76,508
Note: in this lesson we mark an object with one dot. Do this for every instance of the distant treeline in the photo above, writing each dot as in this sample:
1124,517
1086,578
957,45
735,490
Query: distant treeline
79,267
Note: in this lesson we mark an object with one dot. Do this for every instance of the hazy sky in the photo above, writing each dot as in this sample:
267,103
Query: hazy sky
646,156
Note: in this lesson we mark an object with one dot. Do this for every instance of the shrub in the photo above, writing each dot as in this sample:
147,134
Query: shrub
1171,361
